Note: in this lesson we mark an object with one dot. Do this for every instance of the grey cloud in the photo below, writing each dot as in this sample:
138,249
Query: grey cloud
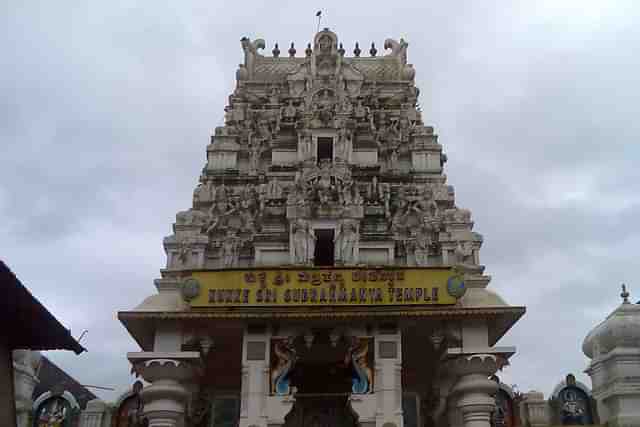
105,112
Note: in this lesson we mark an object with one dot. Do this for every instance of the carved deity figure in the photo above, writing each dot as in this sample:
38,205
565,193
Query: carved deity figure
343,145
356,358
53,414
424,241
285,357
392,158
274,95
345,242
345,106
274,189
230,249
572,413
247,213
360,111
218,214
324,187
289,112
304,242
464,253
255,151
183,252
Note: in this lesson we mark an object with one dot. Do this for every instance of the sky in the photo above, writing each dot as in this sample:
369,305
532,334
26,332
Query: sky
106,109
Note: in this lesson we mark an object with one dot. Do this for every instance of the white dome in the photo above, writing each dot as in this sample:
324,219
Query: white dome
620,329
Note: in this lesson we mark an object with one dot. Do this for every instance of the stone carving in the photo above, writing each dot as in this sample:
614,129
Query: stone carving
272,124
219,214
230,249
458,216
250,49
204,193
289,112
306,146
256,149
274,95
464,253
274,189
304,242
346,242
425,239
300,80
398,49
191,217
343,145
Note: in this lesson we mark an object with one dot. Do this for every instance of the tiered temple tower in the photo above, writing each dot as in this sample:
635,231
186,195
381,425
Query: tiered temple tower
324,274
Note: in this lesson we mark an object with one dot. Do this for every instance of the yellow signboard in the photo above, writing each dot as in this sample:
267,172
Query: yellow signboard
323,287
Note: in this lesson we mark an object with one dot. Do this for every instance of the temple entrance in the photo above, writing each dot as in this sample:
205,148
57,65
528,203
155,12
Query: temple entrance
324,255
323,379
321,411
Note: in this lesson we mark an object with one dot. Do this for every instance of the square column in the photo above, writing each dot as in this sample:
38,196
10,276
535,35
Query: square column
388,378
255,379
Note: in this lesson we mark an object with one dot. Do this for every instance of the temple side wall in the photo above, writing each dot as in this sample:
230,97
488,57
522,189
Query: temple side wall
7,404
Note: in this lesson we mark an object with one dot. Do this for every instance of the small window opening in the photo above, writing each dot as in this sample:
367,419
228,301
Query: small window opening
323,255
325,150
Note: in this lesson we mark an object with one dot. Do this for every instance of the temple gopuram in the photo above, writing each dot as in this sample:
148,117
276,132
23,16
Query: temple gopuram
324,275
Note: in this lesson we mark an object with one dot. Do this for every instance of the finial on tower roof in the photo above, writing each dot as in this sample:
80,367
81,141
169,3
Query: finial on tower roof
308,51
276,51
373,51
357,50
292,50
625,294
341,50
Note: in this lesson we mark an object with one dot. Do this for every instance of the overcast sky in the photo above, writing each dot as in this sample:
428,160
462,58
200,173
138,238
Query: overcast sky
106,109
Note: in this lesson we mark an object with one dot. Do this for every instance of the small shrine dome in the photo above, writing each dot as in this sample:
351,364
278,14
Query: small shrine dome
620,329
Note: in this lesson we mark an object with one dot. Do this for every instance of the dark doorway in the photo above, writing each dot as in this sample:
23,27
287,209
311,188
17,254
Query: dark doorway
323,255
325,150
321,411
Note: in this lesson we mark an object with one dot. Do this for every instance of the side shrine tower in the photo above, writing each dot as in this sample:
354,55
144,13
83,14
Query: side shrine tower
324,275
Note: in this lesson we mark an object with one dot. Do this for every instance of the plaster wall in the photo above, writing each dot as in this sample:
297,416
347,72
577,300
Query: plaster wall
475,335
168,337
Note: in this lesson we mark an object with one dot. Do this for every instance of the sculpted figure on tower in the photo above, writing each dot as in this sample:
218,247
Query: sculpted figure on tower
325,141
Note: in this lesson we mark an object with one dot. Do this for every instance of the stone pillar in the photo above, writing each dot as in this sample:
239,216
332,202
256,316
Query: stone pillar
388,378
25,369
165,399
94,414
535,409
473,393
255,379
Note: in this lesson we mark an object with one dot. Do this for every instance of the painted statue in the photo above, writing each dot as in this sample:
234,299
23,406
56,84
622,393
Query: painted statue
362,375
54,413
284,360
